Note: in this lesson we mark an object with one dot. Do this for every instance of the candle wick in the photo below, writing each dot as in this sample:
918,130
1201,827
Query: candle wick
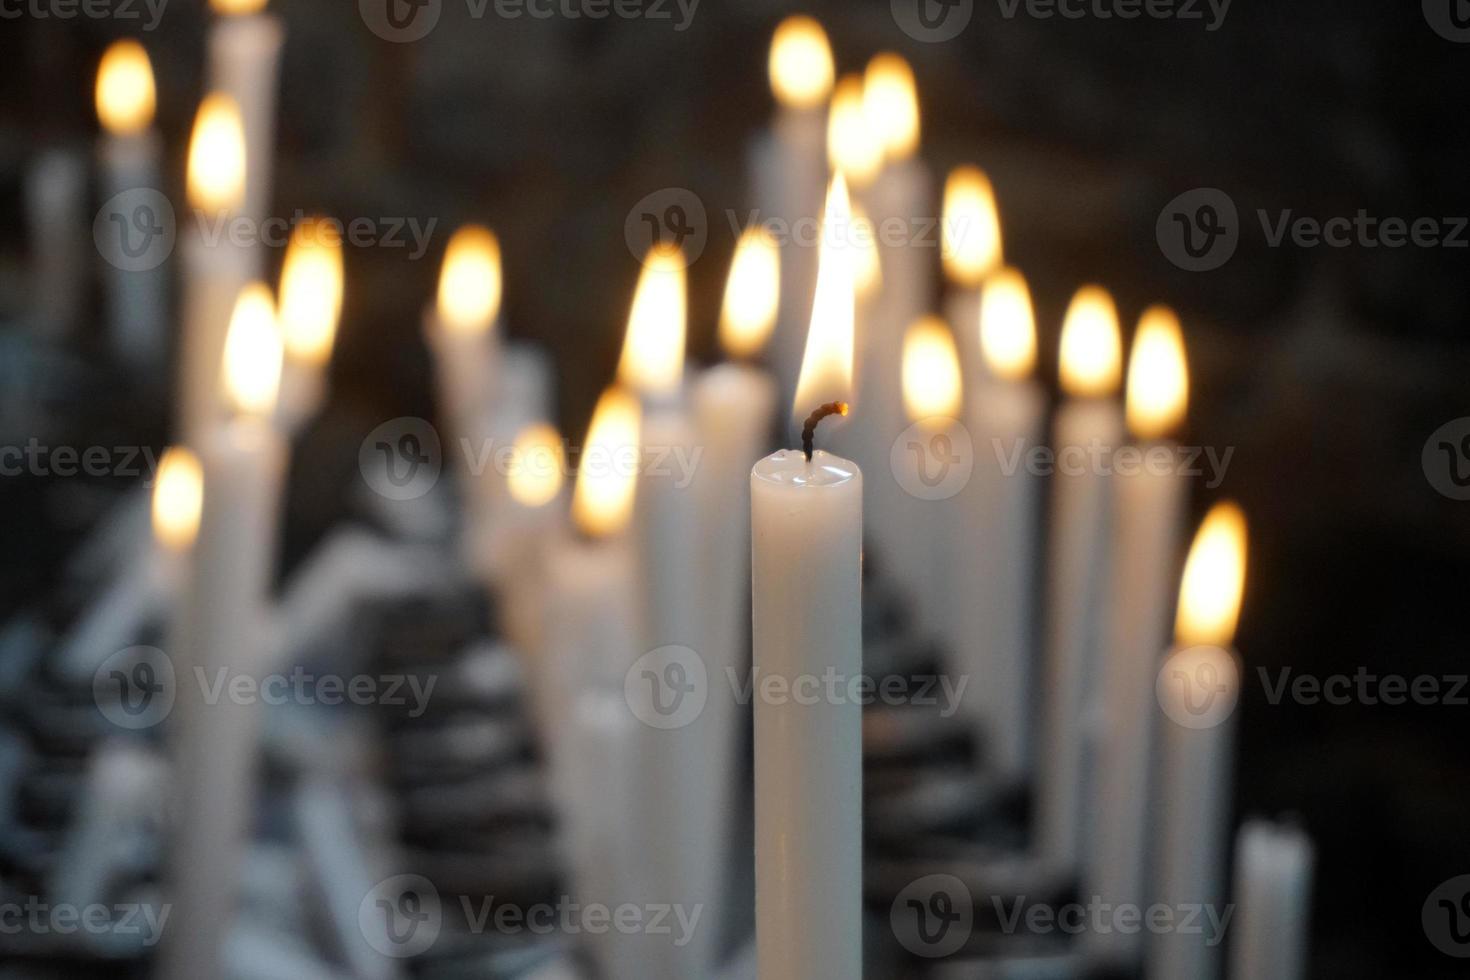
809,430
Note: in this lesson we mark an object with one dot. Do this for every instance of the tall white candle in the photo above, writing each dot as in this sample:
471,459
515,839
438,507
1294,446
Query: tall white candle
462,334
992,615
225,630
1088,426
311,306
970,243
806,581
1150,516
1198,688
244,61
503,528
1273,896
530,519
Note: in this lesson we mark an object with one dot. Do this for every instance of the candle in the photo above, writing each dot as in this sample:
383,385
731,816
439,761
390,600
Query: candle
461,330
530,519
1198,687
244,56
1088,426
993,614
970,246
224,631
1150,513
215,268
1273,895
311,305
128,155
56,217
789,171
806,572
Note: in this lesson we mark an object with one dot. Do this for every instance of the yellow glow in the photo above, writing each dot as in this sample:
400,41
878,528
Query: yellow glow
1092,350
801,63
178,496
752,294
1214,579
931,371
652,362
1158,378
232,8
535,477
868,267
252,370
826,366
891,102
853,145
607,478
469,281
311,291
1007,326
970,244
125,94
216,179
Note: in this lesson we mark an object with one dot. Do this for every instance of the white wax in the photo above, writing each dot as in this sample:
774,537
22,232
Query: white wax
1146,567
135,300
1083,435
302,391
962,310
994,604
465,369
806,583
1273,895
244,62
225,625
214,273
503,533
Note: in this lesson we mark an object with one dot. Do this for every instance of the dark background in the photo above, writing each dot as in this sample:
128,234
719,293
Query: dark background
1326,368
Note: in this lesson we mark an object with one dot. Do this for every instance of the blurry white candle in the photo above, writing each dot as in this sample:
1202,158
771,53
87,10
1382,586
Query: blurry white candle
1088,426
530,519
56,222
1273,898
311,306
462,333
970,243
806,580
1198,688
1150,516
244,60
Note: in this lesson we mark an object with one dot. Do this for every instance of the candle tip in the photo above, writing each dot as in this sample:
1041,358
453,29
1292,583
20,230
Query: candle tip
809,430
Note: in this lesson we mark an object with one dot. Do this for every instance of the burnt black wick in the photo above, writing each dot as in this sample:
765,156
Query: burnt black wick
810,429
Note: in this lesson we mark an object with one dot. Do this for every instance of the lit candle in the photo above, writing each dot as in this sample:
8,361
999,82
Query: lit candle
1273,898
224,628
1150,515
992,617
462,333
1087,428
244,58
529,520
215,268
128,154
311,306
970,244
789,172
806,582
1198,688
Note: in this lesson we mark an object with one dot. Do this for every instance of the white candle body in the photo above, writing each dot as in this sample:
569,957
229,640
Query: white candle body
56,202
215,270
1273,895
1084,433
465,367
135,299
224,631
992,614
806,581
1150,512
244,61
303,388
505,532
962,310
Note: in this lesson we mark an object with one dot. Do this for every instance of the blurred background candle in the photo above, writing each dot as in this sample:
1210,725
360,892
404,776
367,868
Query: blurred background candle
1086,430
1274,866
462,333
311,305
244,60
970,244
530,521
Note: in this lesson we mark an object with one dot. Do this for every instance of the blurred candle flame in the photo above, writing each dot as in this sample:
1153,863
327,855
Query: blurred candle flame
1007,326
252,369
826,365
470,281
607,477
236,8
931,371
1214,580
311,291
125,92
868,267
752,294
853,146
216,178
801,63
1092,350
1158,378
535,478
178,497
652,361
970,242
891,103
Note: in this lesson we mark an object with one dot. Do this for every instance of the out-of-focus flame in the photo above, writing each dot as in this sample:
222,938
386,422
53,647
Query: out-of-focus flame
652,362
311,291
216,178
235,8
970,244
826,366
607,476
752,294
891,102
1092,350
125,93
868,265
853,145
1007,326
469,282
1158,378
801,63
178,497
252,369
931,371
535,478
1214,580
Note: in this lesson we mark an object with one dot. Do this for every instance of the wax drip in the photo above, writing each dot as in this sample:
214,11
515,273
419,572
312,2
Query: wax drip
809,430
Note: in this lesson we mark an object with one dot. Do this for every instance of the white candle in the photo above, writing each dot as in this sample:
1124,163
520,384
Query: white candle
1150,515
1086,430
56,216
993,613
1273,896
806,581
224,627
530,520
311,306
244,59
1198,688
462,334
501,528
128,155
970,244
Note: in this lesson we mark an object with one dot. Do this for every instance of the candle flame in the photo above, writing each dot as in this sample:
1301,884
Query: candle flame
751,294
868,269
252,370
1092,350
535,478
216,178
235,8
1158,378
125,92
470,281
826,366
652,361
853,146
891,103
178,497
970,243
1007,326
1214,580
607,478
801,63
311,291
931,371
